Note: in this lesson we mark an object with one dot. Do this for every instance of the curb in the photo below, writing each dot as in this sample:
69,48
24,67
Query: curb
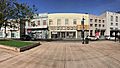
21,49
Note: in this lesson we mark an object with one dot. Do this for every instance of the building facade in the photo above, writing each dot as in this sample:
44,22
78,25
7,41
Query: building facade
112,22
97,25
38,26
67,25
12,30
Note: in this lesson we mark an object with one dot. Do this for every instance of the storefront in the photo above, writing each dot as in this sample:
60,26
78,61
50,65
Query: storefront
63,35
38,33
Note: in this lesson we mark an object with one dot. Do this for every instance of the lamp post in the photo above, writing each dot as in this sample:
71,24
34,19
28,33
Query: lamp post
82,23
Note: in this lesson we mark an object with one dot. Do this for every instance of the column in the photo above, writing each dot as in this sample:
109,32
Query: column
60,35
76,34
49,34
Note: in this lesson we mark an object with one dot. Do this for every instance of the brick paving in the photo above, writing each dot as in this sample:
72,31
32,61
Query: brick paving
99,54
6,54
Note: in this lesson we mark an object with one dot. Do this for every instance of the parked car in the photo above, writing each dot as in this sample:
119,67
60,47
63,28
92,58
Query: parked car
93,38
27,37
109,38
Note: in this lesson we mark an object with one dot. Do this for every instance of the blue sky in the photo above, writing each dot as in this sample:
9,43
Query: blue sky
74,6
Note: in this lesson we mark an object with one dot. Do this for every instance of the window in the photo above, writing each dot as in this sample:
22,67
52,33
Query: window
91,20
95,20
91,31
58,21
33,24
103,25
111,24
111,28
50,21
38,22
1,34
116,28
116,18
28,22
95,25
111,18
103,21
99,21
12,34
44,22
91,25
66,21
74,21
116,24
99,25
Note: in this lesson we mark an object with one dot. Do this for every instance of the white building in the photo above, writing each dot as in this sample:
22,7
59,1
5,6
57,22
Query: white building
12,30
112,21
38,26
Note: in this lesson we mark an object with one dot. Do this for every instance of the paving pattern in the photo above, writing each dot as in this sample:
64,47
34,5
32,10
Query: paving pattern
6,54
102,54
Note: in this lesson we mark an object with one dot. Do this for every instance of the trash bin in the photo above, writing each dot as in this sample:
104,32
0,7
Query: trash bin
86,40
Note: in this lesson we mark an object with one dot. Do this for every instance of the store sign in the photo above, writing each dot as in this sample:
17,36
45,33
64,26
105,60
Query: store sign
80,27
54,32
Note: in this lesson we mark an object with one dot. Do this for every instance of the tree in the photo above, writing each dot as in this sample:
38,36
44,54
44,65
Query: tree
24,13
11,9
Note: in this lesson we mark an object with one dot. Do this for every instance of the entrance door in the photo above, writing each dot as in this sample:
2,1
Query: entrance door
63,34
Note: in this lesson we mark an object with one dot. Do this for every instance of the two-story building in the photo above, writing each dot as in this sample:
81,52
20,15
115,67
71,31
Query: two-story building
67,25
12,29
38,26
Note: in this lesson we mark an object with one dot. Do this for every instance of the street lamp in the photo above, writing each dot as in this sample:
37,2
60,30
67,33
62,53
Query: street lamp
82,23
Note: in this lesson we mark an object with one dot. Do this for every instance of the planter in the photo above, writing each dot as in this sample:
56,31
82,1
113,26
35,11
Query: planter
21,49
28,47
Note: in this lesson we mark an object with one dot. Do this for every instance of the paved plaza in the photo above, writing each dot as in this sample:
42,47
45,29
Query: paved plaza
98,54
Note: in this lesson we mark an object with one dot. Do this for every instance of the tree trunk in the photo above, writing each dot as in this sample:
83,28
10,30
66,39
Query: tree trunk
22,27
5,32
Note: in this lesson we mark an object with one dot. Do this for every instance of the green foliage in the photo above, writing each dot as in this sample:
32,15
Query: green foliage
11,9
14,43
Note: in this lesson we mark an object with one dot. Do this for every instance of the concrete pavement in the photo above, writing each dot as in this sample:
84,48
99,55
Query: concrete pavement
102,54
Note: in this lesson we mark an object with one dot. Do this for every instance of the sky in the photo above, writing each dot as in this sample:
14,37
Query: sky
74,6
